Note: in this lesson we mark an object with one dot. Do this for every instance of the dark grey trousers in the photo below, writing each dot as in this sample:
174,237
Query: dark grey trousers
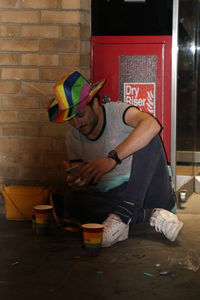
149,187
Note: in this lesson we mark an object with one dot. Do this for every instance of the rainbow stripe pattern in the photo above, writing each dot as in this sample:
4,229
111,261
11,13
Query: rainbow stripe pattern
92,236
43,218
72,94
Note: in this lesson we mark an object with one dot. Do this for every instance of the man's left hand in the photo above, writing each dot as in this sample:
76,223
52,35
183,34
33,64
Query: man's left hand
94,170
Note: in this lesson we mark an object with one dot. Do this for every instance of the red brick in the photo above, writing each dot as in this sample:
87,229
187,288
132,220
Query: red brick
40,31
8,87
53,31
8,3
39,4
20,45
8,116
85,31
14,16
22,159
60,17
20,130
8,144
9,31
85,60
76,4
9,172
75,60
57,145
32,173
29,116
70,31
55,160
85,18
39,174
38,145
20,73
85,72
43,115
34,88
40,59
17,102
44,101
56,74
71,60
52,129
60,46
71,4
9,59
85,47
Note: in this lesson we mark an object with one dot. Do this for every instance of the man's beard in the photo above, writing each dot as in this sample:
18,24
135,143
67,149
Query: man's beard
92,125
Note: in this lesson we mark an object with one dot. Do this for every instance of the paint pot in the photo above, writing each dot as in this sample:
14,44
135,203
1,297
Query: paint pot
92,237
43,219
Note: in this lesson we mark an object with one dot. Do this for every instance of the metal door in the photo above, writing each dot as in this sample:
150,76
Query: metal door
138,71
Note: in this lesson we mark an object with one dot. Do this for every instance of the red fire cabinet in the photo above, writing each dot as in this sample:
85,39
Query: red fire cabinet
138,71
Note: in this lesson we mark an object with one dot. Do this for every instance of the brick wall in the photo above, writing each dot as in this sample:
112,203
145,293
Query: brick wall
40,40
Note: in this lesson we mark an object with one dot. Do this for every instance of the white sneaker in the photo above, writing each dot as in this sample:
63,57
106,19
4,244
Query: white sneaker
114,231
166,222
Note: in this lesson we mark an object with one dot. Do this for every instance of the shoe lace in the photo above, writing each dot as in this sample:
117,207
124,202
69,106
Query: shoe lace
111,222
163,226
159,224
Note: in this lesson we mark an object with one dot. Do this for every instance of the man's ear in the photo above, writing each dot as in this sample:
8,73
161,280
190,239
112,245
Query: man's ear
95,102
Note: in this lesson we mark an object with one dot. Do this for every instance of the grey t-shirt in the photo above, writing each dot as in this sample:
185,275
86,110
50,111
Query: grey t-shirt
115,131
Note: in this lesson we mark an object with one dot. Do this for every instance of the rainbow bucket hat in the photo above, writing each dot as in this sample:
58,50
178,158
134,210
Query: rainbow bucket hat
72,93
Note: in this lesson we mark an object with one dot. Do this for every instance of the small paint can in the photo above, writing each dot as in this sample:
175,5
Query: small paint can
92,237
43,219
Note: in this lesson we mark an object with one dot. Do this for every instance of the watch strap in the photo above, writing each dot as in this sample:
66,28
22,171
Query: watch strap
113,154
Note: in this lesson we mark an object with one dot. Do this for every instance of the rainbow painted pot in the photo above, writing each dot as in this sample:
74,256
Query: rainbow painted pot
92,237
43,218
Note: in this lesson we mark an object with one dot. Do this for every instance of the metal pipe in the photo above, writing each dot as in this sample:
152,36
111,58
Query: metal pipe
174,88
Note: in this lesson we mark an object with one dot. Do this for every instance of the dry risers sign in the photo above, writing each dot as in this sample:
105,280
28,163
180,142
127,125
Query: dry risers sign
141,95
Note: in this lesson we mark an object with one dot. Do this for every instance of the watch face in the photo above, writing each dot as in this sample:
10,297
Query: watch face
113,154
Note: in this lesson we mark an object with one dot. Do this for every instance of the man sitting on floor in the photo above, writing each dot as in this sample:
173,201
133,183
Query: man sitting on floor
123,176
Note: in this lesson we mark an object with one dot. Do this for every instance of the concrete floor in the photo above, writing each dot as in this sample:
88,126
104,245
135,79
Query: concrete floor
55,266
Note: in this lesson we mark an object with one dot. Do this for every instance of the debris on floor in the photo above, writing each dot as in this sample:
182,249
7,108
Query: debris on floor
190,262
148,274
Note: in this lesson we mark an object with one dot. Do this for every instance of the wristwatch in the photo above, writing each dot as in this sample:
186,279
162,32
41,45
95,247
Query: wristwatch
113,154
